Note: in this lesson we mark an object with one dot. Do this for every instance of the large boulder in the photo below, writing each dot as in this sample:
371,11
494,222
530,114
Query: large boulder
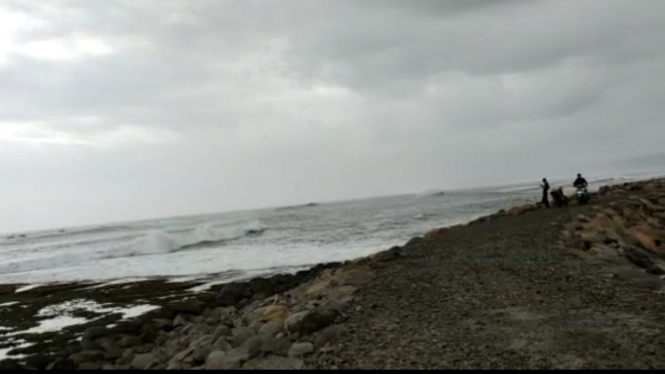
292,324
317,319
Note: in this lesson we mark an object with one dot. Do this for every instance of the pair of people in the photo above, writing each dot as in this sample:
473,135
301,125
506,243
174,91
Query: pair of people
580,182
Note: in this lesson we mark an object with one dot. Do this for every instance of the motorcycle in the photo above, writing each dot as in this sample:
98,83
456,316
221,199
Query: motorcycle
582,195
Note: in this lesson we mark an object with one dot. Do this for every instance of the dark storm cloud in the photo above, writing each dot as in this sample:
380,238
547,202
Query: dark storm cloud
186,106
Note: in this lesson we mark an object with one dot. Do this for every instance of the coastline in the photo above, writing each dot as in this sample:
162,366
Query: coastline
309,309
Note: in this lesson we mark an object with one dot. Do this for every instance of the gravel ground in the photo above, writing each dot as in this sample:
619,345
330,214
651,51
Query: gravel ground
503,295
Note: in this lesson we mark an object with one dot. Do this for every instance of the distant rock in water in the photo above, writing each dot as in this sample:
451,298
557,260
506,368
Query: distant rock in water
440,193
310,205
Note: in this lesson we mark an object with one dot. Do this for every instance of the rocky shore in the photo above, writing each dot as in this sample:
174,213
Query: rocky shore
574,288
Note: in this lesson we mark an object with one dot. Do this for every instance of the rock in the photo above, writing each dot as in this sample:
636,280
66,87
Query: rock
201,354
143,361
357,277
179,321
182,355
328,335
518,210
130,341
253,346
215,361
241,334
232,294
189,307
649,237
128,327
175,366
656,269
256,326
161,323
222,345
301,349
274,363
292,323
201,341
58,364
222,331
234,359
112,350
86,356
386,256
271,313
637,256
90,366
96,332
272,328
10,364
275,346
413,241
317,319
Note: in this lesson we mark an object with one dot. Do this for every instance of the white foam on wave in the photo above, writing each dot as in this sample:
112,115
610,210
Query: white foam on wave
154,242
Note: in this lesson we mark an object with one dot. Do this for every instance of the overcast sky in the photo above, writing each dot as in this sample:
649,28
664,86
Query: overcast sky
128,109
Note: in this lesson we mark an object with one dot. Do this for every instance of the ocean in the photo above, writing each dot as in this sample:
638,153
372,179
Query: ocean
238,245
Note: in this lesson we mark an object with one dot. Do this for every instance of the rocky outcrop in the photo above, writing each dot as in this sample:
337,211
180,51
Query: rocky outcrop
256,324
630,229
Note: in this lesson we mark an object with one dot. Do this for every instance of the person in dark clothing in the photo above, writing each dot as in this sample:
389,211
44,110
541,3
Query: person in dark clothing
546,188
580,182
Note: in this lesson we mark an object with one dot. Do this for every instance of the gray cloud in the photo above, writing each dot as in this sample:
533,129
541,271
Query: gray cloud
132,109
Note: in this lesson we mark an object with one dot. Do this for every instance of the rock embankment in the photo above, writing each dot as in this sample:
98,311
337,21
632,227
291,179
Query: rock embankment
264,323
630,228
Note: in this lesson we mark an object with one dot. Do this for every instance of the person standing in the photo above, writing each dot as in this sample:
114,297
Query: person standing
546,189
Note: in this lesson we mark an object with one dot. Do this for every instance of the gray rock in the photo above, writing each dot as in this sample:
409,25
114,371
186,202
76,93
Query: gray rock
256,326
328,335
274,363
201,354
182,355
292,324
275,346
272,328
179,321
253,346
300,349
222,345
143,361
204,340
96,332
130,341
111,367
215,361
175,366
112,350
222,331
317,319
86,356
235,358
90,366
241,334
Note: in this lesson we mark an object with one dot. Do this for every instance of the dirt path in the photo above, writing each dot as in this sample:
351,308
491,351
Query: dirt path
503,295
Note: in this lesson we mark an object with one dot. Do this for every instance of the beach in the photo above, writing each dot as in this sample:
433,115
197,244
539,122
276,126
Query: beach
577,287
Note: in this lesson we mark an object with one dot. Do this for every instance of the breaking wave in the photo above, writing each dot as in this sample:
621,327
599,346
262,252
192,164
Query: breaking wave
155,242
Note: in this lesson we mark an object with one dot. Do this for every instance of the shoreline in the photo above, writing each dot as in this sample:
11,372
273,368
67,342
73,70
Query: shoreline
325,288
